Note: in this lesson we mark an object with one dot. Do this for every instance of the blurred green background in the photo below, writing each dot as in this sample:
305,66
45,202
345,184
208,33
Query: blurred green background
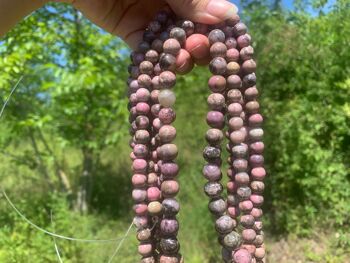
66,126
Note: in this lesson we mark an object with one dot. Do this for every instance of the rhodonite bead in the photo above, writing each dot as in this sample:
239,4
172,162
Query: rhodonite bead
246,206
169,227
252,107
154,99
142,95
140,151
232,55
213,189
232,240
139,166
144,81
142,136
247,221
216,102
224,224
218,49
211,152
256,160
146,67
212,172
216,35
244,192
249,66
188,26
172,46
167,115
246,53
169,245
255,120
168,259
233,212
218,66
152,56
167,79
154,207
234,95
232,68
145,249
141,122
144,235
248,235
217,206
179,34
241,256
170,188
153,193
169,169
142,108
139,195
231,43
256,147
140,222
167,152
232,200
152,179
214,136
258,173
257,200
215,119
256,212
139,180
167,62
243,40
240,29
140,209
249,80
256,135
242,178
257,187
251,93
260,253
170,207
235,123
259,240
167,133
237,137
217,84
157,123
167,98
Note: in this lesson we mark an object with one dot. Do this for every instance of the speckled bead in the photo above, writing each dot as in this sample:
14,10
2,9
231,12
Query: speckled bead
169,169
218,66
257,187
167,79
232,240
216,102
188,27
179,34
224,224
217,206
212,172
211,153
218,49
232,68
214,136
144,235
170,188
240,29
248,235
167,115
169,246
169,227
244,192
216,35
139,180
170,207
217,84
246,53
215,119
241,256
244,41
172,46
167,62
213,189
167,152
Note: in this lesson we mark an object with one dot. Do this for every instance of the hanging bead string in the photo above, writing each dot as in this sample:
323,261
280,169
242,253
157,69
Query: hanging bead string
234,99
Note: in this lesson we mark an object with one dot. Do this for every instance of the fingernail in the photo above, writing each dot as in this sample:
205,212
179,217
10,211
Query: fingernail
221,9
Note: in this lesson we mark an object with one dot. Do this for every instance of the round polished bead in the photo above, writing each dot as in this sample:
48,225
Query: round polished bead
152,179
247,221
145,249
259,240
146,67
215,119
139,195
218,66
157,45
242,178
167,62
231,187
139,166
139,180
260,253
169,227
140,151
228,30
233,212
218,49
246,206
167,115
224,224
133,86
142,95
157,124
252,107
211,152
258,225
256,160
169,169
249,66
217,84
244,192
169,245
167,79
166,98
240,151
257,200
235,123
234,83
152,56
142,108
167,134
248,235
232,240
169,259
251,93
170,207
167,152
249,80
232,68
237,137
216,35
241,256
240,29
140,222
213,189
246,53
144,235
172,46
257,187
155,109
216,101
258,173
142,136
233,20
170,188
140,209
155,82
153,193
179,34
244,41
217,206
154,208
188,26
214,136
257,135
255,120
212,172
144,81
231,43
154,99
256,212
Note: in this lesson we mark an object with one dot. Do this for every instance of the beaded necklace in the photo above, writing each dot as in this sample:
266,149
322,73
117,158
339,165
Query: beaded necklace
233,104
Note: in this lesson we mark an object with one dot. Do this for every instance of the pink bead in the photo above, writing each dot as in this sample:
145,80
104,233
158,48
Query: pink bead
145,249
232,55
237,137
234,109
143,95
141,222
242,256
140,209
215,119
231,187
258,225
142,108
233,212
251,248
139,180
139,195
170,188
257,200
255,120
167,115
257,147
157,124
153,194
139,166
256,212
242,178
244,41
248,235
258,173
246,206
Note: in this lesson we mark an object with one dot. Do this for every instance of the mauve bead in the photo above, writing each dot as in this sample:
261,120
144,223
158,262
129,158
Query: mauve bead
249,66
145,249
170,207
152,179
167,79
141,122
246,53
251,249
232,240
179,34
244,41
212,172
148,260
258,173
216,101
216,35
201,28
257,200
246,206
218,66
237,137
256,160
137,58
251,93
211,152
256,212
260,253
240,151
188,26
228,30
231,187
255,120
232,200
168,259
249,80
257,135
217,206
162,16
142,95
244,192
142,137
248,235
240,29
146,67
170,188
167,152
226,255
235,109
169,246
242,178
247,221
133,99
233,20
234,83
258,225
215,119
154,208
153,193
172,46
144,235
232,55
218,49
154,98
167,115
257,187
214,136
155,109
167,62
213,189
169,169
157,45
217,84
144,81
140,151
169,227
252,107
224,224
233,212
232,68
139,180
140,209
139,166
139,195
134,71
231,43
167,98
235,123
152,56
259,240
133,86
167,133
157,124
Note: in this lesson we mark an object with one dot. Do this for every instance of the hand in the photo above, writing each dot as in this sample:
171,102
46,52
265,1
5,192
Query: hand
128,18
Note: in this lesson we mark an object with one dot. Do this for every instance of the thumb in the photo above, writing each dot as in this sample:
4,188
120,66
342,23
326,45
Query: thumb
204,11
